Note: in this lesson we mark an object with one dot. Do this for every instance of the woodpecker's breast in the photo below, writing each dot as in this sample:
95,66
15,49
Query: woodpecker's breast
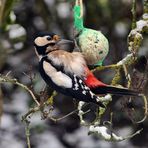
58,80
57,77
72,63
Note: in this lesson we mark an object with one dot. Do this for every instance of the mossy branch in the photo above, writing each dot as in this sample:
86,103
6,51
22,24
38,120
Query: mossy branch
135,38
134,14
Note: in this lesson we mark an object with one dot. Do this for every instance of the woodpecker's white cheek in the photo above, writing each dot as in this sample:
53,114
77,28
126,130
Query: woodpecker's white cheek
41,41
57,77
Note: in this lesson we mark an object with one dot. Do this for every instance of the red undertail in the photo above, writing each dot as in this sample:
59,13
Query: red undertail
99,87
92,81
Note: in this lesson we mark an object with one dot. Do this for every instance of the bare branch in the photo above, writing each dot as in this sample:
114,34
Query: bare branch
5,79
27,131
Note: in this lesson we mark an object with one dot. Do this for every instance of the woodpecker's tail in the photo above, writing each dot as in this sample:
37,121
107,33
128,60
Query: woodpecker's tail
114,90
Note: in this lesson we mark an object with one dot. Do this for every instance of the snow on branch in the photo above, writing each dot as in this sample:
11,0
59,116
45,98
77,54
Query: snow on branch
108,135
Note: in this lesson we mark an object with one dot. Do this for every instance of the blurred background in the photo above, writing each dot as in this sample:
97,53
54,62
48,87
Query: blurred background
19,21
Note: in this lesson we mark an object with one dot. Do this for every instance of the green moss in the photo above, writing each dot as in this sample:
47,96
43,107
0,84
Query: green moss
116,78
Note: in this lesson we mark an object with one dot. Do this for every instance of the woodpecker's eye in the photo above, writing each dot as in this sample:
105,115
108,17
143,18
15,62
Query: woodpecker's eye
49,38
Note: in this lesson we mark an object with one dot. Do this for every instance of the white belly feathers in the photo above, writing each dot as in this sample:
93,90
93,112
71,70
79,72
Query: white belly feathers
57,77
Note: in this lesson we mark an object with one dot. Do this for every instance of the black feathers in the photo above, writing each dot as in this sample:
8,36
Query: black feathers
78,90
41,49
42,34
114,90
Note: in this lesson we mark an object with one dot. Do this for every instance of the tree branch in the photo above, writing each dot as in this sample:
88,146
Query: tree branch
5,79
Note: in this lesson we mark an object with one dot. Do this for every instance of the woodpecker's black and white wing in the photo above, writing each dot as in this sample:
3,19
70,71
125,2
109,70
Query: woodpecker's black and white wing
82,92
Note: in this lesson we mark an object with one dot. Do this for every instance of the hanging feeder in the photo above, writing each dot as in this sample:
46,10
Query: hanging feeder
92,43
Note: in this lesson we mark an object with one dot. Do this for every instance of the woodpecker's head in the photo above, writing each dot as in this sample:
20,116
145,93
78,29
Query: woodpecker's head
47,42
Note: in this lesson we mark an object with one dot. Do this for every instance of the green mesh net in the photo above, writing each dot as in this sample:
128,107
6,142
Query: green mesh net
78,21
94,50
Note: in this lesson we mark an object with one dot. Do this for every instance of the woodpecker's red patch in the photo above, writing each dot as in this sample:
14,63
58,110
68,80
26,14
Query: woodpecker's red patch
91,80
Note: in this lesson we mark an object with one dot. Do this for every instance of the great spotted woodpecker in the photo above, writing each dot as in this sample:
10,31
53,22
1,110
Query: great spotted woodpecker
68,73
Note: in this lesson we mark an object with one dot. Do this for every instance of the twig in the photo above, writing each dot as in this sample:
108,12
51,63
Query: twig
4,79
55,119
31,111
27,131
65,116
145,109
100,68
133,10
128,60
79,109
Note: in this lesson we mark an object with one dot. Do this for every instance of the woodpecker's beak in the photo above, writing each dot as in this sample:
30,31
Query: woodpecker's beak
66,45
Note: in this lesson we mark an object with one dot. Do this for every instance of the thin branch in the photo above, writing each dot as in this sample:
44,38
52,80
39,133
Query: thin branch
55,119
65,116
145,109
5,79
27,131
31,111
128,60
133,10
100,68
